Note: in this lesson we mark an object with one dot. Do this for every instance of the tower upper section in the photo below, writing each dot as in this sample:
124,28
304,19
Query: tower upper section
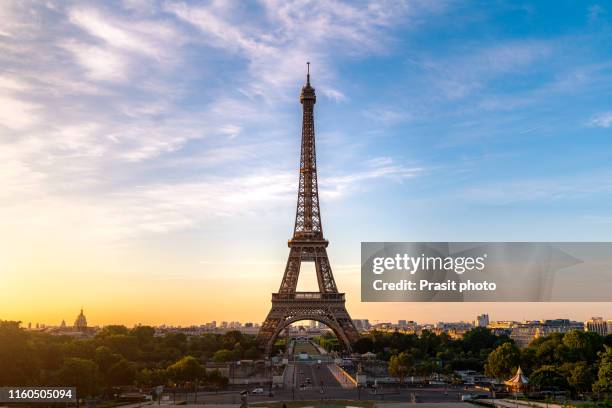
308,218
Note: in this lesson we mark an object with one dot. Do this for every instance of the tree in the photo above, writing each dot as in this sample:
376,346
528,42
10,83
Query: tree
223,355
144,334
176,340
105,358
503,361
604,375
123,344
363,345
582,346
425,368
186,369
216,380
152,377
121,373
548,376
80,373
17,365
481,339
252,353
112,330
400,365
578,375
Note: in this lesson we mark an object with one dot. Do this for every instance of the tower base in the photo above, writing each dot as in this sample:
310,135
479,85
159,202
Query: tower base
326,308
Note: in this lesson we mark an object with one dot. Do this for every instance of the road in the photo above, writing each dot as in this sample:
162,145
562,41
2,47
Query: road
313,376
324,386
313,393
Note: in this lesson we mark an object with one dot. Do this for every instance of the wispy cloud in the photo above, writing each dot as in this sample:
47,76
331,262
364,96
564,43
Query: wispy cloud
294,32
388,115
603,120
378,169
459,75
105,118
544,190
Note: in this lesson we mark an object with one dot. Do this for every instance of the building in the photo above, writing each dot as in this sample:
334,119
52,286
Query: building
597,325
502,327
455,330
482,320
503,324
524,333
444,326
361,324
80,323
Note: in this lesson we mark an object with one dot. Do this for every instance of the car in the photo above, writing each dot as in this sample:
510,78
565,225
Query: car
257,391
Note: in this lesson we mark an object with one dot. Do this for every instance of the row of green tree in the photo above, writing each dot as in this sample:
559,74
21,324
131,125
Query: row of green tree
116,356
430,352
576,361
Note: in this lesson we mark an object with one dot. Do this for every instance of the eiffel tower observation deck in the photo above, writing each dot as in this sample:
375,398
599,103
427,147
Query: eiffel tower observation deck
308,245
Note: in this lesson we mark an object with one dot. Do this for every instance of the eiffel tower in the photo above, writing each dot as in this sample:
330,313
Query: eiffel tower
308,245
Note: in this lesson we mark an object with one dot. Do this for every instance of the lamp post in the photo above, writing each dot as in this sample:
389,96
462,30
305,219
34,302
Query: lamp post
293,382
270,376
515,398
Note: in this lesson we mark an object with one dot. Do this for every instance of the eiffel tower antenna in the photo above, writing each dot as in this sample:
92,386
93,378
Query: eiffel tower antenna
308,245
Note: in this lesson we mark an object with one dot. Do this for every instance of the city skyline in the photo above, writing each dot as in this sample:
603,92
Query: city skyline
219,322
148,150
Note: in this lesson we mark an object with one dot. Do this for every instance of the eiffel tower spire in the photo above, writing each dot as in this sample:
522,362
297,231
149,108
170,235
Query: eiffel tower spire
308,216
308,245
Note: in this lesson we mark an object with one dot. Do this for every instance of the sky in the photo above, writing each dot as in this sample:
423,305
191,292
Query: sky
149,150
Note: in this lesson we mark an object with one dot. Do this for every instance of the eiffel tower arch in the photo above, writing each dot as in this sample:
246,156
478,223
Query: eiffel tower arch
308,245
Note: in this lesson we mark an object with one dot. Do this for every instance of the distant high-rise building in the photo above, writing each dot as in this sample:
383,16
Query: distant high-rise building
597,325
81,322
401,323
482,320
63,324
610,326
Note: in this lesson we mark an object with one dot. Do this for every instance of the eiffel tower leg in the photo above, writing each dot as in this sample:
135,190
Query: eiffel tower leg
292,271
267,331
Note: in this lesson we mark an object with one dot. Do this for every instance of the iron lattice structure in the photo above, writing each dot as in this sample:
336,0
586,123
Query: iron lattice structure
308,245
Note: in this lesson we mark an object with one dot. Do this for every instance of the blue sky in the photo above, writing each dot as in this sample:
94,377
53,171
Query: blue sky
158,141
